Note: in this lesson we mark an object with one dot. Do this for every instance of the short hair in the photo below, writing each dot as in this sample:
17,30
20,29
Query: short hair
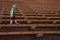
14,5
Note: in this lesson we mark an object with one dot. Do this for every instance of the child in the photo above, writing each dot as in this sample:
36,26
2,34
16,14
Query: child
13,14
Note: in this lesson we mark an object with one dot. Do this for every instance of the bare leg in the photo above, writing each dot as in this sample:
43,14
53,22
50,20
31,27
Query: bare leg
11,21
16,21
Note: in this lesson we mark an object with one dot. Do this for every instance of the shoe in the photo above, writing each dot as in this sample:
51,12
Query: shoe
17,23
10,23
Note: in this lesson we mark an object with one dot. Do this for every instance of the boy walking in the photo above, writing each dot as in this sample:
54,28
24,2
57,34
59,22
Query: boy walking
13,14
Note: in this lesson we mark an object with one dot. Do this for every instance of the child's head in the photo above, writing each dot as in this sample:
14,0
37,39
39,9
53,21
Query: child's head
14,6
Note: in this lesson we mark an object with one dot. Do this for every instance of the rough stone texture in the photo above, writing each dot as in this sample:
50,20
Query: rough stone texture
40,5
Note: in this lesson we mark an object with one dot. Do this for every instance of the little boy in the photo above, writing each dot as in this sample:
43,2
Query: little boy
13,14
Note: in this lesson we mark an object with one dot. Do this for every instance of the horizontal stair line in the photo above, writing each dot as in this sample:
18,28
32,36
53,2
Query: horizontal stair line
30,32
29,25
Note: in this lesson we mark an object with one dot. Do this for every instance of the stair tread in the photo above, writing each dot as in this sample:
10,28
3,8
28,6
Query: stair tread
30,32
29,25
34,16
33,20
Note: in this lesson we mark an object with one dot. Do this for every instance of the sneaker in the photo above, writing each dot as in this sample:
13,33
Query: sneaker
17,23
10,23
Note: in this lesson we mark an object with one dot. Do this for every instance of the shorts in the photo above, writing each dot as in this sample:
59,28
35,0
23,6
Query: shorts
13,18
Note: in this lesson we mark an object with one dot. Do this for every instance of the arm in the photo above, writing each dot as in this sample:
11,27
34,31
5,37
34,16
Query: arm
11,12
